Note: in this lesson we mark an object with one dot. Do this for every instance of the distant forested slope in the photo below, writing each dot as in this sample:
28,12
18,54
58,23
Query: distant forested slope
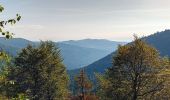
75,54
159,40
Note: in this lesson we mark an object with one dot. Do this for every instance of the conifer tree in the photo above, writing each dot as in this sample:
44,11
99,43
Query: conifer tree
40,72
84,85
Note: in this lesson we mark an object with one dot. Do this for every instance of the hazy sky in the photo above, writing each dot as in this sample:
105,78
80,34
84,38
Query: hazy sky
78,19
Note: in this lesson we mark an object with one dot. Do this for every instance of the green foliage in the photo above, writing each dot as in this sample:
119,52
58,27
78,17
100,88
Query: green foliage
6,85
165,74
3,23
135,73
40,72
21,97
4,72
1,8
4,57
103,87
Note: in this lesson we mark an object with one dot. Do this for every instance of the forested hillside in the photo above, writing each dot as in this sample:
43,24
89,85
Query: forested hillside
159,40
70,55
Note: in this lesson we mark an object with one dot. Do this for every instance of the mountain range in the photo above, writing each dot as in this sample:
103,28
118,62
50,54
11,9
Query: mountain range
101,44
81,53
159,40
75,53
94,55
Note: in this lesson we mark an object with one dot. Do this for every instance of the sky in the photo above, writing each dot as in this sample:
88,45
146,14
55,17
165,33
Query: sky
60,20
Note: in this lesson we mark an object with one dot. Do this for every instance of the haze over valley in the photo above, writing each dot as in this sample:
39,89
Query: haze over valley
84,49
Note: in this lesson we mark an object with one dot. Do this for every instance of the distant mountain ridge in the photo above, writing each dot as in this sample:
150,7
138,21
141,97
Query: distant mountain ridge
16,42
159,40
101,44
75,54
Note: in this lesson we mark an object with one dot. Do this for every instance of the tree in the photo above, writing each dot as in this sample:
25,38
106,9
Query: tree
165,74
84,85
135,72
40,72
3,23
104,87
5,61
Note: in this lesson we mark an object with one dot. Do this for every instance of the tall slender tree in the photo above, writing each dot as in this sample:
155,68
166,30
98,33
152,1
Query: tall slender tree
84,85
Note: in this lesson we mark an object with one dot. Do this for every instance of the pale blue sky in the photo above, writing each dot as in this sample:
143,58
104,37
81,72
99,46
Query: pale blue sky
59,20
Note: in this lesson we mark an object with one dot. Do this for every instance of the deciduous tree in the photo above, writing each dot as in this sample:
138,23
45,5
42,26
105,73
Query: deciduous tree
135,73
3,23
